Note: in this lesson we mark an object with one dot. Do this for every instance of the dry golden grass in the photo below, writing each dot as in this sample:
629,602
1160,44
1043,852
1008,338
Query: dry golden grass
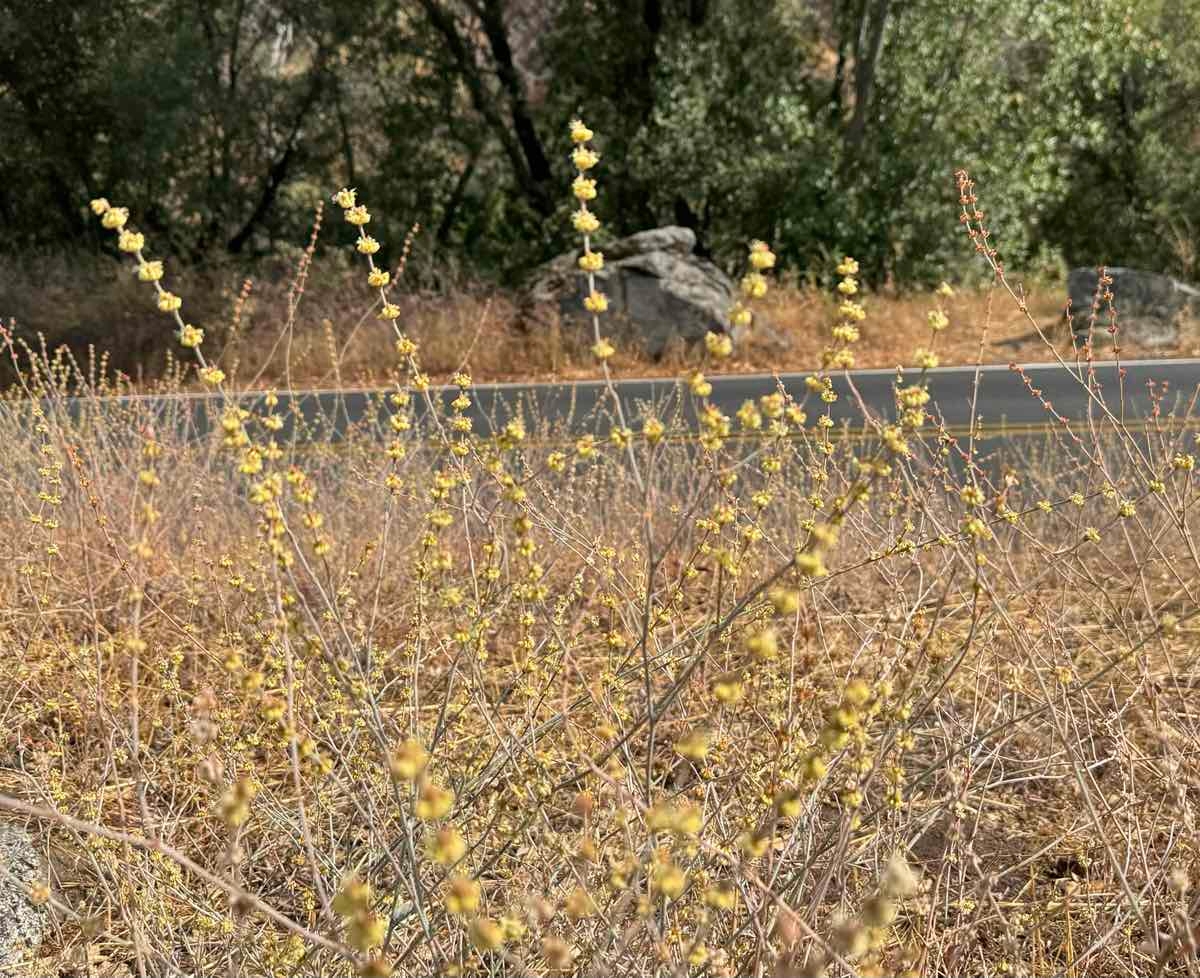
202,732
1008,712
418,701
333,340
483,329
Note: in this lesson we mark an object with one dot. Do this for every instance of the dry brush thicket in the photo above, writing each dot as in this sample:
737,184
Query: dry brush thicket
776,699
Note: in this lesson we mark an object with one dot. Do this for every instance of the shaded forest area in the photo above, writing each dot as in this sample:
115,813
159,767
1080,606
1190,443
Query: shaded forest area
821,126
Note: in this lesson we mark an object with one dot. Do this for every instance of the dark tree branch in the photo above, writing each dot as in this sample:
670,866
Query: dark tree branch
531,144
457,196
279,169
865,65
344,125
443,22
652,16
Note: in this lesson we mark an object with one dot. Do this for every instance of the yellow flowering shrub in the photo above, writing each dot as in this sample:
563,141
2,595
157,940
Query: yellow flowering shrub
698,690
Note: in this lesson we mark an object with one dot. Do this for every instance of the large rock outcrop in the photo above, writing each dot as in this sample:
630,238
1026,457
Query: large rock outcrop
657,289
1150,307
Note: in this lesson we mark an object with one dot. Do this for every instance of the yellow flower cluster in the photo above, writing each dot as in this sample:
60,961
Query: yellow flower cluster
584,220
938,320
133,243
408,761
357,216
434,801
753,286
851,313
191,337
683,820
719,345
446,846
365,929
235,803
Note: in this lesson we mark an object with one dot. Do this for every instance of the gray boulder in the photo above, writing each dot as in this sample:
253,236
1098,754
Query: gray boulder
1150,307
21,923
657,289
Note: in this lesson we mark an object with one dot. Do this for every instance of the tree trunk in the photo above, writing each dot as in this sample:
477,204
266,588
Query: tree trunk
457,196
865,65
536,161
520,142
280,168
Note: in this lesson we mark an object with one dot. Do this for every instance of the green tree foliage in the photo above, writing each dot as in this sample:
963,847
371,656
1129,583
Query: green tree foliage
822,126
200,115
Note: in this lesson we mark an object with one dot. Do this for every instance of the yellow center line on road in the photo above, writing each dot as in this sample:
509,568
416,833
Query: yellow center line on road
856,431
860,432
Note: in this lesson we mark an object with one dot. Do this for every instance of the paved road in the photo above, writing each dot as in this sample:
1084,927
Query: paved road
1005,404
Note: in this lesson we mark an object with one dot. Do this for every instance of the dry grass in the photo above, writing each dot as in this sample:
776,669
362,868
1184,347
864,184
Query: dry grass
333,340
1006,714
762,701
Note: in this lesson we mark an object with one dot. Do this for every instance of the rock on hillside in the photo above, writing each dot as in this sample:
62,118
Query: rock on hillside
656,287
1150,307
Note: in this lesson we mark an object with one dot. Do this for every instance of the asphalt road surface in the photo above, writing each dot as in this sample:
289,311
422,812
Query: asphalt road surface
1003,398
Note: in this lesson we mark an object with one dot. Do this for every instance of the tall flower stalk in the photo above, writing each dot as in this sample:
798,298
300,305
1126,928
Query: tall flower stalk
590,262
